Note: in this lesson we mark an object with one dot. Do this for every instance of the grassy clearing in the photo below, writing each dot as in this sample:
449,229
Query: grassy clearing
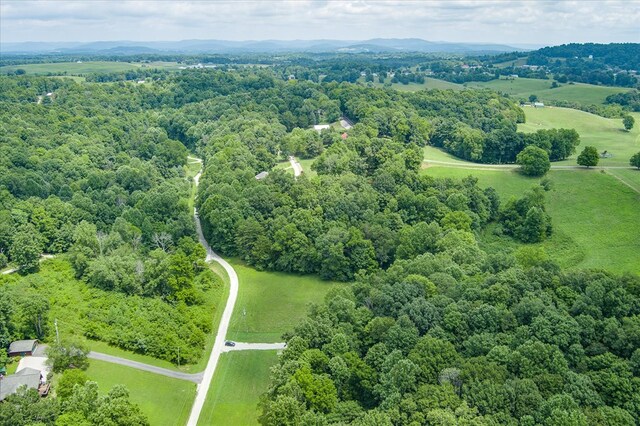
595,217
240,379
630,177
74,68
603,133
164,400
271,303
586,94
306,167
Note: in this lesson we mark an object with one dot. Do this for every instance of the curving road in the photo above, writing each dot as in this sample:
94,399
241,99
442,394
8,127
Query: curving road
218,346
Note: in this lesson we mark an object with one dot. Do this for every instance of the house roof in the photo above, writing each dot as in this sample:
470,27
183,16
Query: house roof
22,346
27,377
262,175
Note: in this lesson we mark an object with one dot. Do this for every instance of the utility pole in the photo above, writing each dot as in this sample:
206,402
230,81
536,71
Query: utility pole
55,322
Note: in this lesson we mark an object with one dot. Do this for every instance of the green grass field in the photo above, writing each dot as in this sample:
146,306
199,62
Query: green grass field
164,400
603,133
74,68
271,303
596,218
585,94
240,379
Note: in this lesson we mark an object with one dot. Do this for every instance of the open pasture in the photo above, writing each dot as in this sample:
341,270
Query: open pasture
272,303
522,88
83,68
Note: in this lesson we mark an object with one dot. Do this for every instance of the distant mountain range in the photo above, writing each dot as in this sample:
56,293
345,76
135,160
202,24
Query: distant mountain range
378,45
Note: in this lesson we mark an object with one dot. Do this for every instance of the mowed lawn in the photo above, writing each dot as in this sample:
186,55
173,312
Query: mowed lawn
586,94
596,218
603,133
165,401
240,379
271,303
74,68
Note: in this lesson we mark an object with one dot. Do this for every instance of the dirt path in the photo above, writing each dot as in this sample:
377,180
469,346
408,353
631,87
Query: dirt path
297,168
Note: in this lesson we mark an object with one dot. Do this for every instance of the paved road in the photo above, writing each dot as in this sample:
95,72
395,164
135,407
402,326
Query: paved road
297,168
254,347
195,378
218,346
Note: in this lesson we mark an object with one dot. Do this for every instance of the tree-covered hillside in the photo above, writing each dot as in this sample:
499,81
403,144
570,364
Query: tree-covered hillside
517,342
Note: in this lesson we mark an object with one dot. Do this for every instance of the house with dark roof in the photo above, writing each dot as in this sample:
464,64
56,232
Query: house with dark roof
22,347
28,377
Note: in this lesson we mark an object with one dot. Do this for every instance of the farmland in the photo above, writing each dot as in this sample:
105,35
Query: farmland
83,68
522,88
603,133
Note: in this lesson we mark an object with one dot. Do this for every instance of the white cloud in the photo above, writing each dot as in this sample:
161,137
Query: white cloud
483,21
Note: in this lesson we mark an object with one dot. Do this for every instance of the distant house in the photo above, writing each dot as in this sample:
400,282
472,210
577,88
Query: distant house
262,175
292,77
344,136
538,105
28,377
513,76
22,347
320,127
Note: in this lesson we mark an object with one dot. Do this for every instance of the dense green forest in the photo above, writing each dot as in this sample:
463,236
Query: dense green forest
515,341
89,172
433,330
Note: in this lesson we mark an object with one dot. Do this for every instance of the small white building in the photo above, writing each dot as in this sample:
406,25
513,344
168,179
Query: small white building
320,127
538,105
262,175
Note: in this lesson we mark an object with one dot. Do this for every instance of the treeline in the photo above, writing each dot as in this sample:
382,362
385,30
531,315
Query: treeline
624,56
628,100
429,341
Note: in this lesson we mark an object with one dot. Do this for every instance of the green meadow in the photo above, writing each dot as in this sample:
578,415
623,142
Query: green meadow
585,94
82,68
239,381
603,133
165,401
272,303
596,217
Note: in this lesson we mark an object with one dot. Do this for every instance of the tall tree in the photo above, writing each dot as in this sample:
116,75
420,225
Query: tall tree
589,157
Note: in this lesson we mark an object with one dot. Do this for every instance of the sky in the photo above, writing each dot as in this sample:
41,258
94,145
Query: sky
496,21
